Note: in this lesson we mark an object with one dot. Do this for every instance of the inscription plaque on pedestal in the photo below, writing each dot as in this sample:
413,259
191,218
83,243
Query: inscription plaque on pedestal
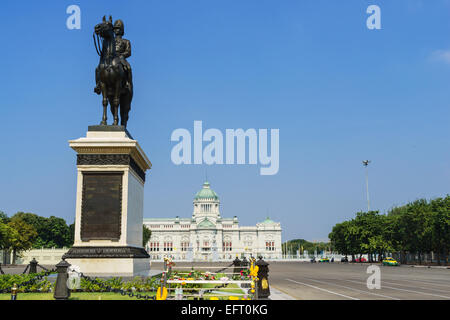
101,207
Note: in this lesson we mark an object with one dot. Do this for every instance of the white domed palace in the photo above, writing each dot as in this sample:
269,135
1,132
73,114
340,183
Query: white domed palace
206,236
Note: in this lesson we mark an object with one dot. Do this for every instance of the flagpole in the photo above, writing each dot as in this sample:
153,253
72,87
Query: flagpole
366,164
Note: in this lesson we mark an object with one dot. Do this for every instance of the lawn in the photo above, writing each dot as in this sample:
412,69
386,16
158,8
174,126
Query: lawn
73,296
232,290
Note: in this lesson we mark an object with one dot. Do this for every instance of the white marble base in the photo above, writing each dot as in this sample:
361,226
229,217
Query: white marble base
113,143
111,150
117,267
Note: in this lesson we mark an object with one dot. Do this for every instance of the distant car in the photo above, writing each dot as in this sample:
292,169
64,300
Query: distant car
324,260
344,259
313,260
390,262
361,260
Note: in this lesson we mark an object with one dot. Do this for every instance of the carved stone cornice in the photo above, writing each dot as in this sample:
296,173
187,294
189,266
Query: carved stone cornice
105,252
111,143
110,159
116,150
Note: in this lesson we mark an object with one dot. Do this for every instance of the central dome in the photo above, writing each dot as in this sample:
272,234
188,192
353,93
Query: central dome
206,193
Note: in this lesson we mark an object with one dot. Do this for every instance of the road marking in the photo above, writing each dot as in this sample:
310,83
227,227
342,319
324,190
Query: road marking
350,288
415,286
432,282
309,285
291,297
419,292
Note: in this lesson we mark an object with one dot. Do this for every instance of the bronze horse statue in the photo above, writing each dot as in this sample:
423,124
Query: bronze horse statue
112,76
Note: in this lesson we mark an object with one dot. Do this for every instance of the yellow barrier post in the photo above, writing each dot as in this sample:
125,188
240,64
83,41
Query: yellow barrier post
14,292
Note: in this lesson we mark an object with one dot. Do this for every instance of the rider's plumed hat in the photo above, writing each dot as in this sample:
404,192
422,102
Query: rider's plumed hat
118,24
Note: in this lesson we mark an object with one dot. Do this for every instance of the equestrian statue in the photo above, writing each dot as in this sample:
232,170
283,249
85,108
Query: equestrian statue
113,76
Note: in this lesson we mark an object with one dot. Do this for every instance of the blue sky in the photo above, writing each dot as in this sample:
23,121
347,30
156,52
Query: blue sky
338,92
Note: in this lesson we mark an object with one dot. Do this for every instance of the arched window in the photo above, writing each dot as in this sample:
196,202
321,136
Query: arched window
227,245
184,244
168,244
270,243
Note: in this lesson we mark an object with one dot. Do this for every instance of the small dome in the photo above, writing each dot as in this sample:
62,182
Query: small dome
268,221
206,193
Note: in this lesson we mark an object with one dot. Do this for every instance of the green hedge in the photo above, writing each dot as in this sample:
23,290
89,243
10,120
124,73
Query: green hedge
137,284
35,282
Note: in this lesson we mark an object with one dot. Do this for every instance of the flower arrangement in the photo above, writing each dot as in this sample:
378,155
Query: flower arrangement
185,283
208,276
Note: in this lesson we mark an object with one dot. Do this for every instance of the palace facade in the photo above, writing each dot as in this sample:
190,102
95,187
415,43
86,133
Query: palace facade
206,236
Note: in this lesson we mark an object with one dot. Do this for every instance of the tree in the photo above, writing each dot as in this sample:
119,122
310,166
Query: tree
52,231
363,234
353,237
58,232
7,236
146,234
292,246
7,233
440,227
373,237
401,223
38,224
3,217
72,234
418,227
421,213
23,238
411,228
339,240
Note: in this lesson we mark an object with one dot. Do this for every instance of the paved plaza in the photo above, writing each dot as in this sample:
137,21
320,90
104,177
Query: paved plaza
336,281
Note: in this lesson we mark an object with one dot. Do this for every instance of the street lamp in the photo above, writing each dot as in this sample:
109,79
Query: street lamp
366,164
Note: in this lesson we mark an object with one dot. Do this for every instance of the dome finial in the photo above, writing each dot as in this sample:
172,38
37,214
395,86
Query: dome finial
206,192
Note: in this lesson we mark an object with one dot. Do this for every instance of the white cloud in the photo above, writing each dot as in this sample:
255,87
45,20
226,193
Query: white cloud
441,56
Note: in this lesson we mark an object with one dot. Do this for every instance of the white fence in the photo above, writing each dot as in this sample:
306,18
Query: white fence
53,256
300,258
43,256
175,281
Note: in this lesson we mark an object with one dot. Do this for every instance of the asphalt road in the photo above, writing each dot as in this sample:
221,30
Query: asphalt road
20,268
336,281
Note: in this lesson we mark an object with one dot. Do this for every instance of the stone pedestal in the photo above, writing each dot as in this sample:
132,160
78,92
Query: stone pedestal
110,200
